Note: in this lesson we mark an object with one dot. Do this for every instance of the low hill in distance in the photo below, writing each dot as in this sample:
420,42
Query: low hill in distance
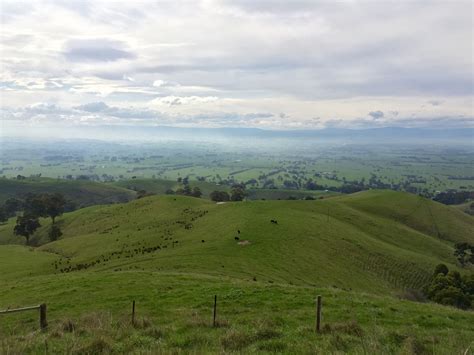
79,193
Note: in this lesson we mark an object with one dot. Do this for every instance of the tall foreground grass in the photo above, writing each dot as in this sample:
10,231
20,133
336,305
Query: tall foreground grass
102,333
91,314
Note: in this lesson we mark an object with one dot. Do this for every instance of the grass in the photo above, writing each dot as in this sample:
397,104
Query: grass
174,314
172,254
334,242
80,192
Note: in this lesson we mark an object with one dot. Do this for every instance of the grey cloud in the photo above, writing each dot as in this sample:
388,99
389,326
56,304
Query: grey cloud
93,107
96,50
376,114
435,102
119,112
100,112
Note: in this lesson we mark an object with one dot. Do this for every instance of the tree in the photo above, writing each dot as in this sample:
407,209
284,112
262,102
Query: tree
12,206
450,288
219,196
453,296
187,190
441,269
45,205
3,215
237,193
55,233
464,252
25,226
54,205
35,205
196,192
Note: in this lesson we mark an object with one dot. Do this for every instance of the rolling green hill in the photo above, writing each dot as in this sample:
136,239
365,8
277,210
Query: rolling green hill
81,193
173,253
355,242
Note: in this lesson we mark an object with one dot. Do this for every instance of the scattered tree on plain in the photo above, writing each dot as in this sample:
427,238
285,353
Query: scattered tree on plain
55,233
238,193
219,196
26,226
196,192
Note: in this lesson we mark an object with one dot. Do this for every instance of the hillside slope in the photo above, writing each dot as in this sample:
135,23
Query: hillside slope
351,242
81,193
159,186
172,254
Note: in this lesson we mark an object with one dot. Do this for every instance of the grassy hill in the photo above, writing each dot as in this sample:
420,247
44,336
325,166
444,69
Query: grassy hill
355,242
284,194
467,207
89,312
80,192
173,253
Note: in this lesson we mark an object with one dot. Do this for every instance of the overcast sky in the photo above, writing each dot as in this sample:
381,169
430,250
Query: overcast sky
267,64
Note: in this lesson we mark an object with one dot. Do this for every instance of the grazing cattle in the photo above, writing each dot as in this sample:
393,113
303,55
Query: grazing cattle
202,241
238,231
236,238
274,221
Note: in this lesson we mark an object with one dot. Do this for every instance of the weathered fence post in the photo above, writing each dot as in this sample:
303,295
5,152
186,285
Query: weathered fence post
42,311
43,320
318,315
215,311
133,312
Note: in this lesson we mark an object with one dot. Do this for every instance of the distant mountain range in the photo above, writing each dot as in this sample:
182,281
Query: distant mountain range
150,133
393,133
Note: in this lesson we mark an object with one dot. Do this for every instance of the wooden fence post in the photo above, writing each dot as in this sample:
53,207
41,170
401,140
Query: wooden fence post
215,311
43,321
318,315
133,312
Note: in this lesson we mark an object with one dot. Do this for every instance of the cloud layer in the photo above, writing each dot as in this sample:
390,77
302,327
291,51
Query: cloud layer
270,64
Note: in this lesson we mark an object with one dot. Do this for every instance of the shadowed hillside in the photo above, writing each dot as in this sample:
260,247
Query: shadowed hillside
78,193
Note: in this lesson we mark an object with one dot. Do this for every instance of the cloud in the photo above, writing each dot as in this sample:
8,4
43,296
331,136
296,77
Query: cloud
163,83
93,107
118,112
183,100
376,114
333,60
101,113
96,50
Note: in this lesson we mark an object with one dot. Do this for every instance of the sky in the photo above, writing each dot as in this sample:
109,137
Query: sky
237,63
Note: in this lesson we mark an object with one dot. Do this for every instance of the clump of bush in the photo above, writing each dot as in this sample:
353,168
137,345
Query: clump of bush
450,288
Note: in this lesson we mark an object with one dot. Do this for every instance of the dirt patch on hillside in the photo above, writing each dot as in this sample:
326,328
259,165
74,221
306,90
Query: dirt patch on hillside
244,242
